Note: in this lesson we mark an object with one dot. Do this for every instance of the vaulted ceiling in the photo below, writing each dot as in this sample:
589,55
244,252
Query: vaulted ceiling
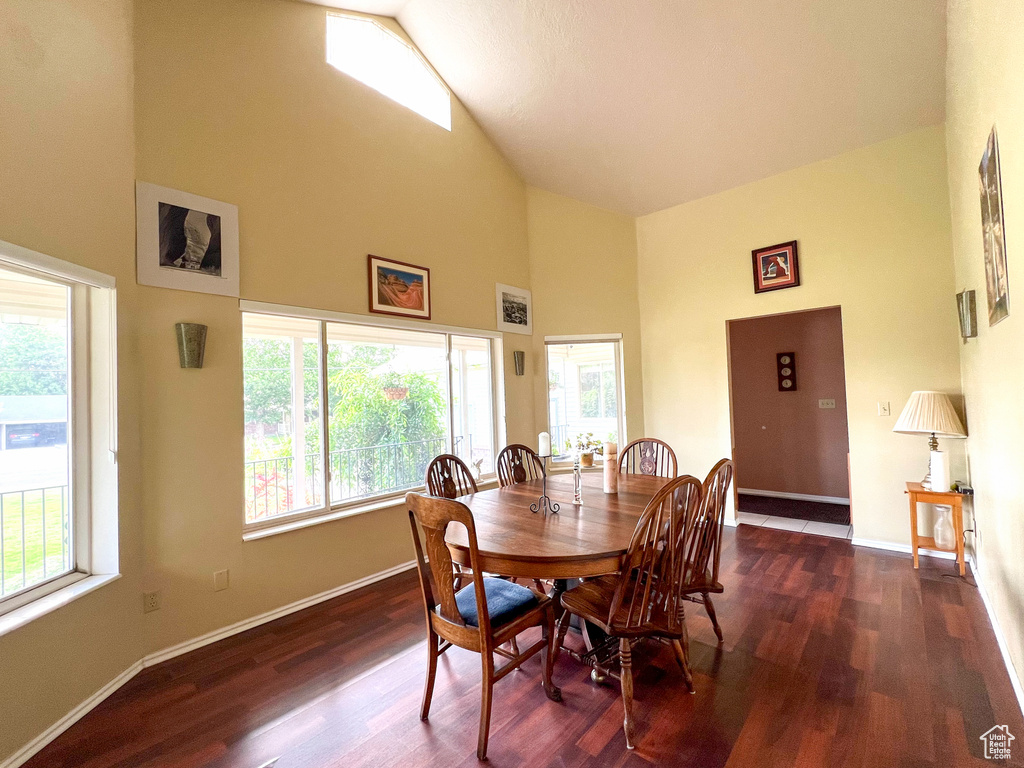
638,105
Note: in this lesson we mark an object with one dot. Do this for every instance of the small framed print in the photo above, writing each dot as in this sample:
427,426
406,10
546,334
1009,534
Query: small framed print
515,309
786,365
185,242
397,288
776,267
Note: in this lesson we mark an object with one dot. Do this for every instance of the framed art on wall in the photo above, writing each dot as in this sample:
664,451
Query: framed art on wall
990,184
776,267
397,288
515,309
185,242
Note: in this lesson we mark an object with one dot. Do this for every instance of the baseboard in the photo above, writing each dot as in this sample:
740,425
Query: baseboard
29,750
793,496
1000,638
904,548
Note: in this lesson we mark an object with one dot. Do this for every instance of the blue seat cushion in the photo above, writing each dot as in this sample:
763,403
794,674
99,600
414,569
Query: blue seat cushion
505,601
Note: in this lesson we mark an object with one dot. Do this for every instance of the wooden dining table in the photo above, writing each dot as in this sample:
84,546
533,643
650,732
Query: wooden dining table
578,541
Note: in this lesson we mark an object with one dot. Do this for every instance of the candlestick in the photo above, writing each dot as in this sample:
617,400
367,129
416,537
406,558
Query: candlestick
577,481
544,503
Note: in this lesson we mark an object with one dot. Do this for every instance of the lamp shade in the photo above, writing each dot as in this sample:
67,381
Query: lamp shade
929,413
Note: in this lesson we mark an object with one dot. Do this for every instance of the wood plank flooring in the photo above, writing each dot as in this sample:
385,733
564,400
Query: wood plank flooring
833,656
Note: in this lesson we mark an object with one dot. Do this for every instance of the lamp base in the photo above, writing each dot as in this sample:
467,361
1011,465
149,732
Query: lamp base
933,445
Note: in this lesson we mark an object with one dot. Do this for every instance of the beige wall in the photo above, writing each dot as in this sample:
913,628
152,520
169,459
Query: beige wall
783,440
874,239
983,89
66,190
583,276
234,101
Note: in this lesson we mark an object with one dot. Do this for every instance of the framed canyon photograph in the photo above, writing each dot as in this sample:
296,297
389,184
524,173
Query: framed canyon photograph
185,242
515,309
397,288
990,185
776,267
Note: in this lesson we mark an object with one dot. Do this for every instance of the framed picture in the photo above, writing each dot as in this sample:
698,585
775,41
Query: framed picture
185,241
515,309
991,187
397,288
776,267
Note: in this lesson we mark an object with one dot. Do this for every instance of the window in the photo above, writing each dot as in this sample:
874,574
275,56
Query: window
395,398
56,412
584,390
377,57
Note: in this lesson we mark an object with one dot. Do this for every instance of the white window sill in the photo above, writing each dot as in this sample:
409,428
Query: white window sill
286,526
49,603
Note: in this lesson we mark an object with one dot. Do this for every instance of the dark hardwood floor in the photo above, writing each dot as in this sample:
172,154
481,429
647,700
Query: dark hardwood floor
833,656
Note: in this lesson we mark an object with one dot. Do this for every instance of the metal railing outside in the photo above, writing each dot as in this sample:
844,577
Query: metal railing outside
35,537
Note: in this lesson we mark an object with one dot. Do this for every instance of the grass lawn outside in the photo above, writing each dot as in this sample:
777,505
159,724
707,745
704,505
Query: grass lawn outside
29,529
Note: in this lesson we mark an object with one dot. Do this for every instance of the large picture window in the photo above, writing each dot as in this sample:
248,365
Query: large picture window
338,413
584,391
56,415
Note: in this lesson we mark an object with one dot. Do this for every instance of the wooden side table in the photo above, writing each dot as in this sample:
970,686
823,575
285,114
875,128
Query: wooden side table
919,493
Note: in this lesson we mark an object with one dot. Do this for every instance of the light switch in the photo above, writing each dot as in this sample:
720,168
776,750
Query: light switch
884,409
830,403
220,580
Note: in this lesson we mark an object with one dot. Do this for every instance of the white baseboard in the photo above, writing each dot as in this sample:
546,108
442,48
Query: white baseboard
255,621
904,548
1000,638
793,496
29,750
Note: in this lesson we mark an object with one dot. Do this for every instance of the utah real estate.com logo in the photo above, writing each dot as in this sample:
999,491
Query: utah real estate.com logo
997,742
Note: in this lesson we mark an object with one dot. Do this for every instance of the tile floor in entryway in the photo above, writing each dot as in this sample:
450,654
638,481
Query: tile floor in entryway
797,526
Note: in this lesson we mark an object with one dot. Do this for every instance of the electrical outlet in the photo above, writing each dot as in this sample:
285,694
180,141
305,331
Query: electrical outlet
220,580
884,409
150,602
830,403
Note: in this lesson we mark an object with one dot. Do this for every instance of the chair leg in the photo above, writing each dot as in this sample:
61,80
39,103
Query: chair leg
428,690
487,688
684,664
626,670
710,608
551,656
563,628
515,647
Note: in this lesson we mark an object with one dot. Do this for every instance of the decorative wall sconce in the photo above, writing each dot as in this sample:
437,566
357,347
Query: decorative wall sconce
191,344
968,311
520,359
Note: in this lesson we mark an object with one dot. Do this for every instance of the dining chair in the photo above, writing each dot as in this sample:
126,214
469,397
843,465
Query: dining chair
645,599
518,463
448,477
648,456
479,617
704,547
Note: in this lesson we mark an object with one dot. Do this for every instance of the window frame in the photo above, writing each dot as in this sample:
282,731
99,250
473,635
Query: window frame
619,372
329,510
91,430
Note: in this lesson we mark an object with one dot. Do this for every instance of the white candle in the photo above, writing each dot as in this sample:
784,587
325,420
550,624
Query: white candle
543,444
611,468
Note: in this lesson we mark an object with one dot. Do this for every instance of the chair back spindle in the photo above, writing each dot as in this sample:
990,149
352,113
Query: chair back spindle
448,477
518,463
648,594
648,456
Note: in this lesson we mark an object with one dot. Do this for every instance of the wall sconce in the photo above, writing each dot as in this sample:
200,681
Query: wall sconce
520,360
968,311
191,344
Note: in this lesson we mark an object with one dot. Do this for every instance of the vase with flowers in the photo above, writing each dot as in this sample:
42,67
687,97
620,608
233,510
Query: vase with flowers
585,446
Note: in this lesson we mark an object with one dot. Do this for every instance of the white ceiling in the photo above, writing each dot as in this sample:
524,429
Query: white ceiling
638,105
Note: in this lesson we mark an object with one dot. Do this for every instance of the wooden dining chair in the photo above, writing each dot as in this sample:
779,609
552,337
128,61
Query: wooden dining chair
480,617
448,477
518,463
648,456
704,543
644,600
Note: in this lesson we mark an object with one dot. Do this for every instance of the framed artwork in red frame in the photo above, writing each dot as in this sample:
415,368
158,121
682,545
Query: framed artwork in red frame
398,288
776,267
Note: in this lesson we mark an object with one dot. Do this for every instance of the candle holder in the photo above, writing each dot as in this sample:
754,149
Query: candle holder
544,503
577,481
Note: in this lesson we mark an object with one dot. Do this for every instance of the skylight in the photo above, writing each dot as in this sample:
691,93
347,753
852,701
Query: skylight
377,57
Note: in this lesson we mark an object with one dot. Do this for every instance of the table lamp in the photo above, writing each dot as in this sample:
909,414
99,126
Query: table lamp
930,413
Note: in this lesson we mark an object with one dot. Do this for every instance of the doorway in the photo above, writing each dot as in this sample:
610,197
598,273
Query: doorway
790,436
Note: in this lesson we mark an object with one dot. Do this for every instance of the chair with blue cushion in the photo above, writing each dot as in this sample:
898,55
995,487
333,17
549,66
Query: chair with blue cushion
481,616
